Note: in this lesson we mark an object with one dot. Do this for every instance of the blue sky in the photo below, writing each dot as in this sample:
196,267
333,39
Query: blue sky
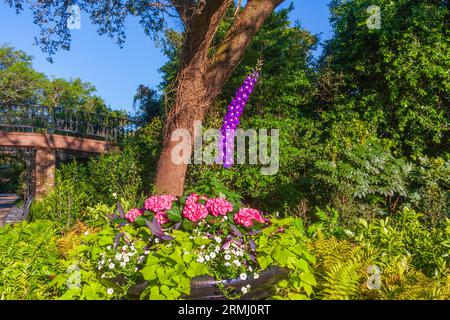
115,72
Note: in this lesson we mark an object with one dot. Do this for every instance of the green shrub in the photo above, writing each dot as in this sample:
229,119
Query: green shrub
104,180
406,234
29,260
412,259
363,178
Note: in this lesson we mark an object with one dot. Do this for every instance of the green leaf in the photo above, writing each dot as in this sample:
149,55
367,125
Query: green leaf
154,293
140,221
149,272
308,278
174,214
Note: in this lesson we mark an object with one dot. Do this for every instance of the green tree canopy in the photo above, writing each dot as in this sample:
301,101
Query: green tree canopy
396,77
20,84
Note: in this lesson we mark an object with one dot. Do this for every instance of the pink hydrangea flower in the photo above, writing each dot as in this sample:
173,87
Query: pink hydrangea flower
192,199
245,217
162,217
218,206
193,210
159,203
133,214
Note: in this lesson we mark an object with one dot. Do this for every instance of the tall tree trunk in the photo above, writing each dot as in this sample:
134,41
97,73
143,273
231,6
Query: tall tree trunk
190,105
201,78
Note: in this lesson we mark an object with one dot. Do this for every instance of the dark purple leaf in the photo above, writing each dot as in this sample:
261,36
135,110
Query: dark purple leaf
252,257
166,237
155,229
252,233
226,244
236,231
120,209
117,239
239,242
252,245
178,225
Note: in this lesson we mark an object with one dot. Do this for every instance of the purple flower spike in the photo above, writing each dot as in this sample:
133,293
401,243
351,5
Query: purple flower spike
231,120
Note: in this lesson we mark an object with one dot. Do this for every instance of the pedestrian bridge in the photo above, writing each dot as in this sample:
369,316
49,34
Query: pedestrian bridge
46,131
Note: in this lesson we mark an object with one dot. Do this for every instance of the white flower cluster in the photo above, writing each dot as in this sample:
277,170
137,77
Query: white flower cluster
246,289
235,253
209,255
122,258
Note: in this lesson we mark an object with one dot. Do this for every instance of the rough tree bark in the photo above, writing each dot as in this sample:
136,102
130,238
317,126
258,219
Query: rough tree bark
201,77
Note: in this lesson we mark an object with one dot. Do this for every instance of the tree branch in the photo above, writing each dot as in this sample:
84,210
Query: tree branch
202,27
183,8
231,49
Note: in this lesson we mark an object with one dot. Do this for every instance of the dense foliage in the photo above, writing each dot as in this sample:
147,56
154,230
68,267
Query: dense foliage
101,181
29,260
358,210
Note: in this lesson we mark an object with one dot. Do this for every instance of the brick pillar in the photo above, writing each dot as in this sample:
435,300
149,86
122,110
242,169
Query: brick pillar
45,171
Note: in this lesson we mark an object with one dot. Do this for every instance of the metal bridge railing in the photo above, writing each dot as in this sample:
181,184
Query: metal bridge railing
73,122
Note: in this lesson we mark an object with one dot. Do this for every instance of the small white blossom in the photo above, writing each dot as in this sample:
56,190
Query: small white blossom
255,276
248,286
123,264
111,265
227,264
125,247
212,255
207,258
114,195
225,218
250,268
218,240
227,257
103,276
110,291
217,249
202,247
243,276
126,259
200,259
86,233
108,248
118,256
156,240
146,252
244,290
237,263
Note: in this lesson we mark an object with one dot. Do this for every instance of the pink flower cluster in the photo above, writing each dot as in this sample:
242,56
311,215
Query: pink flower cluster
193,210
162,217
159,203
133,214
219,206
245,217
